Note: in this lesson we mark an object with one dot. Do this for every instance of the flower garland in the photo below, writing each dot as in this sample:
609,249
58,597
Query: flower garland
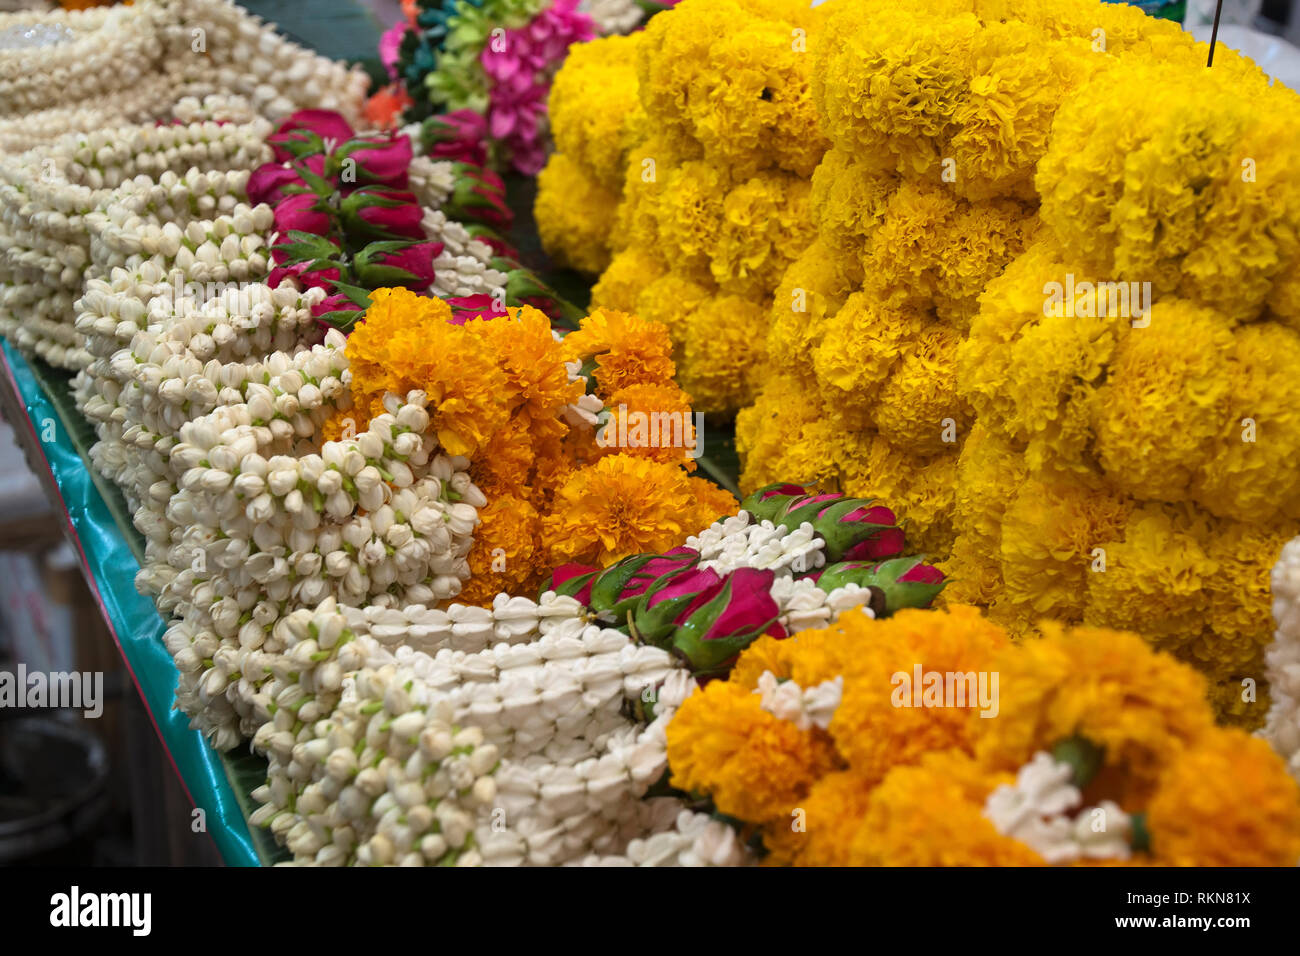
859,243
1100,752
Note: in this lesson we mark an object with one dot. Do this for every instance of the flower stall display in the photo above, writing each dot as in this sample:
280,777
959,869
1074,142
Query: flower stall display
489,63
1043,303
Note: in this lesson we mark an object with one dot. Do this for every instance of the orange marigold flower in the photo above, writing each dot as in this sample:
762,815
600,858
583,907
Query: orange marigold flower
1142,707
658,418
756,766
932,814
532,359
618,506
504,556
405,342
1226,801
627,350
831,817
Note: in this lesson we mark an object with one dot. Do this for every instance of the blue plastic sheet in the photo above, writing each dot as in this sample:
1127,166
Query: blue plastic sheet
110,568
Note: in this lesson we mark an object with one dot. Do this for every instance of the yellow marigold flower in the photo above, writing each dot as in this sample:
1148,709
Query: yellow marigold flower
872,730
688,214
1251,473
621,505
764,225
572,212
892,81
650,166
861,344
1239,620
1144,181
669,300
848,201
932,814
918,406
730,81
828,820
1156,578
723,352
765,654
627,350
1106,686
620,286
1161,407
505,551
711,502
903,254
814,288
669,423
755,766
1049,533
1226,801
782,419
982,238
594,110
405,342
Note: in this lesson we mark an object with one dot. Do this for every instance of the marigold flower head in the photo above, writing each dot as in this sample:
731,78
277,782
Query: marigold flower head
629,273
626,350
572,215
1226,800
755,766
1109,687
620,505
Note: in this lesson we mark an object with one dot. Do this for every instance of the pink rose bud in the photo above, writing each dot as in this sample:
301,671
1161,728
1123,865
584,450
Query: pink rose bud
573,580
470,307
458,136
712,632
308,132
271,182
305,276
387,264
383,213
654,616
766,503
381,160
302,212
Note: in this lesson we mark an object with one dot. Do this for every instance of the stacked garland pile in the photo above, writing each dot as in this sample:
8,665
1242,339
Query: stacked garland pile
1040,290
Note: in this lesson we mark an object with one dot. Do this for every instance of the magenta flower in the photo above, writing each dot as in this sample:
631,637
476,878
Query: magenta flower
307,133
301,212
574,580
387,264
305,276
381,160
390,47
457,136
383,213
470,307
719,624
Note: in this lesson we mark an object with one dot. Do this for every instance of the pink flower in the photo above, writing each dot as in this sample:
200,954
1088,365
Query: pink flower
308,132
574,580
470,307
723,620
383,213
458,136
299,212
379,265
271,182
305,276
381,160
390,46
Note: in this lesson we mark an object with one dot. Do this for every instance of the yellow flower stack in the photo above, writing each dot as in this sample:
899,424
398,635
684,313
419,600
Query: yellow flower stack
701,130
1027,271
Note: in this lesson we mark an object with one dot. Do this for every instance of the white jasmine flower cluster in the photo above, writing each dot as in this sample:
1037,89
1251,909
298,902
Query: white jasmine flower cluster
431,180
805,708
741,542
463,267
672,836
1037,810
1282,667
805,606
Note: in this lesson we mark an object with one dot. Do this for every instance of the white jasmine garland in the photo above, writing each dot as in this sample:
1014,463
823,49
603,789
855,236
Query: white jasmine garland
1037,809
805,708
